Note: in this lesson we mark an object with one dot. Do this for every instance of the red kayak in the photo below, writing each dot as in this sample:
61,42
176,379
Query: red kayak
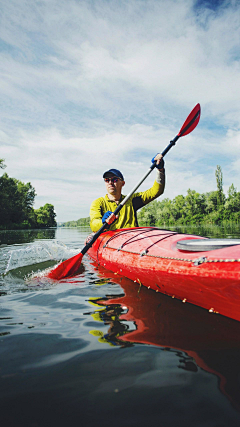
201,271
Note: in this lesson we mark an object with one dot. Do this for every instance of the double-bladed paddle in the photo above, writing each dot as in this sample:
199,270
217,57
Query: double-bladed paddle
71,266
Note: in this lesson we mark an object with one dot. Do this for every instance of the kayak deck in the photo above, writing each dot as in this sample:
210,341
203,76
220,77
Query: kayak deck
150,257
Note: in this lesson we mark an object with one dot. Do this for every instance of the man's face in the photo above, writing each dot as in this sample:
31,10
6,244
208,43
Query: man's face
114,184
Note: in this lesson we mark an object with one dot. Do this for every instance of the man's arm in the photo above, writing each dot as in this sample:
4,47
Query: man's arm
96,215
143,198
156,190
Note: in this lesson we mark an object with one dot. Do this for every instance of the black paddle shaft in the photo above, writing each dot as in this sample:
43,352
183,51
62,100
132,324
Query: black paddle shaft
170,145
94,238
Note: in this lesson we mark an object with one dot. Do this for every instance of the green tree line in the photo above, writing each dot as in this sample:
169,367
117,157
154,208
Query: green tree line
16,205
208,208
213,207
82,222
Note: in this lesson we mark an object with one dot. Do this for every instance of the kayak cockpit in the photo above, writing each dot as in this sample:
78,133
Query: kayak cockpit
204,245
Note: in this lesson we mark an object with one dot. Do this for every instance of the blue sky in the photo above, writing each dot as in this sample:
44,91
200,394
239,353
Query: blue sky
90,85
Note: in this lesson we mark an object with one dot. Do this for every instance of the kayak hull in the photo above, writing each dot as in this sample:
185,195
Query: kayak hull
149,256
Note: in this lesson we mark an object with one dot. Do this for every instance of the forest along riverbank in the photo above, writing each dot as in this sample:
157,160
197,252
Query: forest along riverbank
99,349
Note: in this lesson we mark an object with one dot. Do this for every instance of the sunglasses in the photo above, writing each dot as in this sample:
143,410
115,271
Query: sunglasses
114,180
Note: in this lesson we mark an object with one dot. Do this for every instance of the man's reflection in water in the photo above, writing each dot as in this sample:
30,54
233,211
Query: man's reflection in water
110,315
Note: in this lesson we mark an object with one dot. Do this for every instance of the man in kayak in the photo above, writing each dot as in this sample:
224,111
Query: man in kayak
102,209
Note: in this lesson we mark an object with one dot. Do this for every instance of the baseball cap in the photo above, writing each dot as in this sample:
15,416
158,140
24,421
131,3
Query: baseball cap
114,172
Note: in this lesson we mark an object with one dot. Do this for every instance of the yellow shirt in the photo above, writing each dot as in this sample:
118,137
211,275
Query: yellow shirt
127,217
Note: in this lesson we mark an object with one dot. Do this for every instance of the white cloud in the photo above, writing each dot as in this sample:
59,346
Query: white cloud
85,86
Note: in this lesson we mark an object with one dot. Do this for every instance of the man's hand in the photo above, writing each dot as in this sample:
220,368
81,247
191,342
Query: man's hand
109,217
159,159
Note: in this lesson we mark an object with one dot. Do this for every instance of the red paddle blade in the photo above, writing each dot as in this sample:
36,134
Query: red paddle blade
191,121
66,268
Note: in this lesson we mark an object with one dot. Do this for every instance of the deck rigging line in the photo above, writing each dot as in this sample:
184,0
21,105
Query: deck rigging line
139,237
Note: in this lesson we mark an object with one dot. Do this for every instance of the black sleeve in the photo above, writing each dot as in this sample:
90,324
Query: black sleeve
137,204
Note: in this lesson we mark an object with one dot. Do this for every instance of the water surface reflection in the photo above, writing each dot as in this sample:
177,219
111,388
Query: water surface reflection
11,237
96,349
204,340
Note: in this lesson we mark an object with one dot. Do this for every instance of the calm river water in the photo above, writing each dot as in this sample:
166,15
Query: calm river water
93,350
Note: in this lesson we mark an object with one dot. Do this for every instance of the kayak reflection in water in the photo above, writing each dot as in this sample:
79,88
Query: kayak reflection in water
102,209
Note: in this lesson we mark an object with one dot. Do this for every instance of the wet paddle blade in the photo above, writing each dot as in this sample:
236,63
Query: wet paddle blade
191,121
67,268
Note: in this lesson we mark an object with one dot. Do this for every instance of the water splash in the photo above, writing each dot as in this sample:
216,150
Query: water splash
37,253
